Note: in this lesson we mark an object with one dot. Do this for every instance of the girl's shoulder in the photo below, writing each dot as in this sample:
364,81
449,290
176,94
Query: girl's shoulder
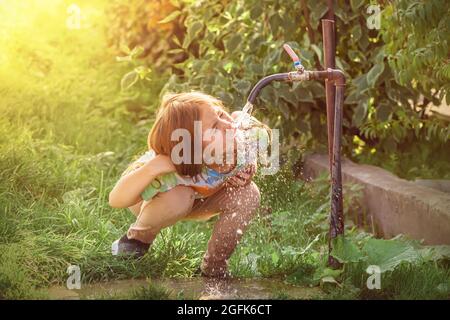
139,161
147,156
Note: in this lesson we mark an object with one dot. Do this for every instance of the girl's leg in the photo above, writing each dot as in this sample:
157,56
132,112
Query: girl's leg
136,209
236,207
163,210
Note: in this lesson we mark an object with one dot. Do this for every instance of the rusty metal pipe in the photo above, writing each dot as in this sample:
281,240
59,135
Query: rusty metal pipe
336,79
335,76
337,211
329,62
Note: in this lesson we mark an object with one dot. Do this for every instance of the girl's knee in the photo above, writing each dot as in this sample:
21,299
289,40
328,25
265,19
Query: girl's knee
253,195
179,199
247,197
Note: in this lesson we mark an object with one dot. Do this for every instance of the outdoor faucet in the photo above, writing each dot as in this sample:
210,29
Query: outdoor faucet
335,83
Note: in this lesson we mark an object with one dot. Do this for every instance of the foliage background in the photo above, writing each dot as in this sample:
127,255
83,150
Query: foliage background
395,73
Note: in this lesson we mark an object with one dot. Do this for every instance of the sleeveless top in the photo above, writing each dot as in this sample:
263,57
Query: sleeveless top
204,184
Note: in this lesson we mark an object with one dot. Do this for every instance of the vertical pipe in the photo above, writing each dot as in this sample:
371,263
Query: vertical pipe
337,212
330,12
329,62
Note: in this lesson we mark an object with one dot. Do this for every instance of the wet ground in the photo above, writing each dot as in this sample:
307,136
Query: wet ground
192,288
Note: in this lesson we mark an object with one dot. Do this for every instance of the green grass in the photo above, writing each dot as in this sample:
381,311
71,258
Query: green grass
67,131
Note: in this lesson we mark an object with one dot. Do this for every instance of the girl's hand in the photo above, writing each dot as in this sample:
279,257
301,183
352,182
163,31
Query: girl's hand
243,177
162,164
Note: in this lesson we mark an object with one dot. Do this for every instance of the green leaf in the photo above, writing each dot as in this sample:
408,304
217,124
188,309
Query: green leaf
285,93
389,254
360,113
124,48
303,95
275,258
193,30
275,21
257,69
356,4
435,253
170,17
125,58
353,98
175,3
142,71
242,86
318,52
175,51
136,52
233,43
345,251
356,32
374,73
361,83
226,97
327,272
256,12
318,10
284,109
383,112
129,80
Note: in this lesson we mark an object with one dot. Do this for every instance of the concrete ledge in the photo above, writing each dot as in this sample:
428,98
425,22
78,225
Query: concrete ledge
394,205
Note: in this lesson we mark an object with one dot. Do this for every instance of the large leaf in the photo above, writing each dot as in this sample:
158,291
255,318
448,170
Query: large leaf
435,253
388,254
345,250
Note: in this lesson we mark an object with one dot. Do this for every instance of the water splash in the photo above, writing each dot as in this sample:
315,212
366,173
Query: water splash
243,120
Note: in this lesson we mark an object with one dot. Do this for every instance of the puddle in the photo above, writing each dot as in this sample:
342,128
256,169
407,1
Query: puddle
192,288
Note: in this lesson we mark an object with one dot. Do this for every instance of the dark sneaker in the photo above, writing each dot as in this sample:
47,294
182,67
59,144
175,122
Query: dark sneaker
129,247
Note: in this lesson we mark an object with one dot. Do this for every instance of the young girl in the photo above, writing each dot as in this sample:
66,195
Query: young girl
160,192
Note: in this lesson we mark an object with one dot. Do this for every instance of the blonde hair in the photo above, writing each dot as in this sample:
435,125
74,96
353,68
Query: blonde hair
179,111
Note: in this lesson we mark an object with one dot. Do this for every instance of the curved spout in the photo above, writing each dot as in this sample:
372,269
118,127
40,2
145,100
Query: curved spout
264,82
335,75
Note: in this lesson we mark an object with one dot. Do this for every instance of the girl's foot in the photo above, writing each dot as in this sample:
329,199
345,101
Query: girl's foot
129,247
219,273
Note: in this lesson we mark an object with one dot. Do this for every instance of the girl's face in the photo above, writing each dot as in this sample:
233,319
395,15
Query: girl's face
215,125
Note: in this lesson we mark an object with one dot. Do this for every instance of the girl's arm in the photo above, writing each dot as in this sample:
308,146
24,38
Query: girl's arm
128,189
